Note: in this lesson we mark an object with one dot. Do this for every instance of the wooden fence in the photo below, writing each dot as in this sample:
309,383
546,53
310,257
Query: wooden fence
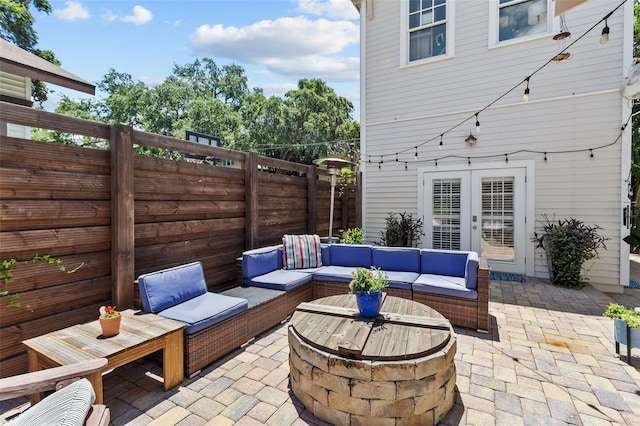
120,215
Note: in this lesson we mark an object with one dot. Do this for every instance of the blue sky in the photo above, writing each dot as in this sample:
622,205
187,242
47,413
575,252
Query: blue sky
277,42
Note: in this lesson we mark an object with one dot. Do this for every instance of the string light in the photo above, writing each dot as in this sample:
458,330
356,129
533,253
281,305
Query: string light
406,167
441,143
396,158
416,154
526,91
477,123
591,152
379,166
506,158
369,159
545,156
469,160
436,162
604,38
381,159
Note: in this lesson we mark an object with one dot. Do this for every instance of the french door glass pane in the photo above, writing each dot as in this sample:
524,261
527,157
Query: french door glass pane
498,218
446,214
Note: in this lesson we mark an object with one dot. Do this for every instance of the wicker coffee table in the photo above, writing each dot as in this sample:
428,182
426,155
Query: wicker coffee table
140,334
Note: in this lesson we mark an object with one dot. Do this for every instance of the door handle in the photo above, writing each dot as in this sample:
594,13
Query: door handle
475,227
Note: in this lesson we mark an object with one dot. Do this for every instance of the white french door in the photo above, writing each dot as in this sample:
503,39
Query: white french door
481,210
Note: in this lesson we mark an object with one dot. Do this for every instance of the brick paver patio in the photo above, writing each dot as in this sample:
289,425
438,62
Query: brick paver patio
548,359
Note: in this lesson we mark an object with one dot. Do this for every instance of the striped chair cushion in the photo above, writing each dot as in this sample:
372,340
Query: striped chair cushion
68,406
301,251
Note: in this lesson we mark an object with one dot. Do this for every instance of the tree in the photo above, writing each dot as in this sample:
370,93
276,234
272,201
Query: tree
16,26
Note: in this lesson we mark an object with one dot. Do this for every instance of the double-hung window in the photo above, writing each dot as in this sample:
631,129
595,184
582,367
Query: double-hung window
427,29
522,18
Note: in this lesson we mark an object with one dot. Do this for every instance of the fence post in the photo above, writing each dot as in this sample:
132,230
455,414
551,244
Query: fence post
312,200
122,216
250,200
359,200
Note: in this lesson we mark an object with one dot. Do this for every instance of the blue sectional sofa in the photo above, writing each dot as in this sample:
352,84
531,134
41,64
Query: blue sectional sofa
455,283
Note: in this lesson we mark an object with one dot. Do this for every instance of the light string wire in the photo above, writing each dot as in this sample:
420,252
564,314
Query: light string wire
490,104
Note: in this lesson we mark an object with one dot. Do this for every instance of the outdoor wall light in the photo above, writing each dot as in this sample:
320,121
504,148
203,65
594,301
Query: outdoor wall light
471,140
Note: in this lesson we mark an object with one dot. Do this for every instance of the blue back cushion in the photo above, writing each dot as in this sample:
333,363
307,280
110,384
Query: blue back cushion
453,264
325,249
396,259
350,255
261,261
471,276
169,287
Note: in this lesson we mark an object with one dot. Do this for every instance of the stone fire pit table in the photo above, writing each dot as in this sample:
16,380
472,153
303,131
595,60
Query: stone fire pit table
396,369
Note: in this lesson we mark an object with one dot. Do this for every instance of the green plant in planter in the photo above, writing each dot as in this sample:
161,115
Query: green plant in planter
402,230
617,311
352,236
368,280
568,244
6,275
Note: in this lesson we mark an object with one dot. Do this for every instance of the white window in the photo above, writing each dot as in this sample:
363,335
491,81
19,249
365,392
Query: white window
427,30
522,18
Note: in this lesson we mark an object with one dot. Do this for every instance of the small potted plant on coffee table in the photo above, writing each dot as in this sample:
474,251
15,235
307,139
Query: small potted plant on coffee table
109,321
367,285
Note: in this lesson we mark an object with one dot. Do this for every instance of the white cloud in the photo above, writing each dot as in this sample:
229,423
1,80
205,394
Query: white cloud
151,81
140,16
341,9
326,68
73,11
277,89
174,24
284,37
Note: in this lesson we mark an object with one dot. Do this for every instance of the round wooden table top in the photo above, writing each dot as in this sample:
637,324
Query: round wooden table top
404,329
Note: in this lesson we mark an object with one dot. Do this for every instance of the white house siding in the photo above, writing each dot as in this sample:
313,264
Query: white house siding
20,88
574,105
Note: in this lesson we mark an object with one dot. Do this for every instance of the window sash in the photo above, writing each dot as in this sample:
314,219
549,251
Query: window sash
522,18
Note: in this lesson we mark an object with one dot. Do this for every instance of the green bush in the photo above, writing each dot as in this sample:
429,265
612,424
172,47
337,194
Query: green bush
352,236
402,230
568,244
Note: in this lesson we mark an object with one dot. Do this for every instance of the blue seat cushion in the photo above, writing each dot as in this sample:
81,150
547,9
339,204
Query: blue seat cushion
261,261
282,279
440,262
205,310
350,255
443,285
168,287
396,259
335,273
401,279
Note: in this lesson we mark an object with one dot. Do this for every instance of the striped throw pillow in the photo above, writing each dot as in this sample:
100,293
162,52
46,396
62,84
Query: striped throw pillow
301,251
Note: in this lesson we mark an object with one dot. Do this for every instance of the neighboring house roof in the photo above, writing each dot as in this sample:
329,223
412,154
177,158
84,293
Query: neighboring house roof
17,61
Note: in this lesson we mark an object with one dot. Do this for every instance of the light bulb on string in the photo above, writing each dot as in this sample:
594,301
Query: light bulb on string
369,159
469,160
591,153
526,91
379,166
436,162
416,154
406,167
545,156
604,38
441,143
506,158
396,158
477,123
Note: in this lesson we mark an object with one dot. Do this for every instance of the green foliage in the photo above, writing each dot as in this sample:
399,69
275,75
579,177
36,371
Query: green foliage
402,230
568,243
6,274
309,122
368,280
352,236
630,316
16,26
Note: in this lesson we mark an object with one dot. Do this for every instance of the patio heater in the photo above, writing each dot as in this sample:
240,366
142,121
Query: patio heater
333,166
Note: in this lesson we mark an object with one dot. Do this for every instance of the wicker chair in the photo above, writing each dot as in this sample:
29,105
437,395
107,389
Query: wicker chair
71,402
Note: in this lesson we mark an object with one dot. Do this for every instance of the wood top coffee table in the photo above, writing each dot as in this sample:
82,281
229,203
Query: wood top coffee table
140,334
